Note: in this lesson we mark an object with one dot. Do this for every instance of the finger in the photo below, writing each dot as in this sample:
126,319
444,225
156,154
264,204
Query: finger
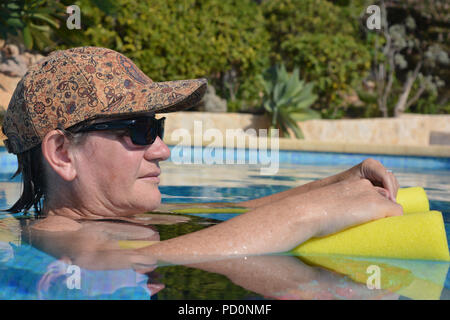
378,175
395,184
389,185
392,208
383,192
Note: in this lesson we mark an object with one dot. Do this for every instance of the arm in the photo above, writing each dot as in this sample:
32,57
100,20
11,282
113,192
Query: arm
287,277
281,225
297,190
369,169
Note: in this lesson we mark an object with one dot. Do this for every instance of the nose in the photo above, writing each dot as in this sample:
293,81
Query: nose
157,151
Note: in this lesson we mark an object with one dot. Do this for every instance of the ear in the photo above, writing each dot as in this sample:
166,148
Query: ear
55,149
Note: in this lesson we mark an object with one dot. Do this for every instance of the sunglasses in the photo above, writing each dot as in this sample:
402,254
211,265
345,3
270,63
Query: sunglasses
142,131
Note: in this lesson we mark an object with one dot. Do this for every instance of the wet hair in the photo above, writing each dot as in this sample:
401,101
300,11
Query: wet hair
31,166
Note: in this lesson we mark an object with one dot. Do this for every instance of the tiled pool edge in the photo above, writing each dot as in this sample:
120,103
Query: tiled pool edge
399,150
332,158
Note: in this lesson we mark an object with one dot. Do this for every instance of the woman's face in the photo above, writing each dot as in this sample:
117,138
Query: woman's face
116,177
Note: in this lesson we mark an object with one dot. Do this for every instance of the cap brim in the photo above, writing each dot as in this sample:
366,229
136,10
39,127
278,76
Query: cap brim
170,96
155,97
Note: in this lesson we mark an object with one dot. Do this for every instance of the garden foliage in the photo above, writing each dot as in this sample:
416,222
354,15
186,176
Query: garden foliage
320,38
233,42
170,39
286,98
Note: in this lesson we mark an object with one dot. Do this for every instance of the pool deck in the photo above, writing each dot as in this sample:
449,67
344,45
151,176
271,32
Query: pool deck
404,150
409,135
316,146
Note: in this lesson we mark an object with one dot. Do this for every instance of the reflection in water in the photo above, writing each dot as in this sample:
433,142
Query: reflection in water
251,277
61,277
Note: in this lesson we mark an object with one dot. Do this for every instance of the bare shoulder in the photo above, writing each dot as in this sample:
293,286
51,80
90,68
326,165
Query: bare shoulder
57,223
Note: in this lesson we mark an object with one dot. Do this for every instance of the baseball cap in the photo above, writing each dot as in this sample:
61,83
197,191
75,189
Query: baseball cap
81,84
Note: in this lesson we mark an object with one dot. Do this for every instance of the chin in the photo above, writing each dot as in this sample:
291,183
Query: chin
154,201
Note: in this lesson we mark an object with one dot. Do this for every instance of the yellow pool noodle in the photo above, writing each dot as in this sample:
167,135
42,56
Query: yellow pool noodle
392,278
211,210
411,236
134,244
422,280
418,234
413,200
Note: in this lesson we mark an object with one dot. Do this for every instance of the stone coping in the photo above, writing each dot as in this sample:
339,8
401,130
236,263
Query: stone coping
316,146
401,150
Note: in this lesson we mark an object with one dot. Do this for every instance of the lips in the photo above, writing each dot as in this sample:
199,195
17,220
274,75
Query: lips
151,176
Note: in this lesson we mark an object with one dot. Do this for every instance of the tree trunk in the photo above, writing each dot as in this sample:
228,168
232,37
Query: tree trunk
400,107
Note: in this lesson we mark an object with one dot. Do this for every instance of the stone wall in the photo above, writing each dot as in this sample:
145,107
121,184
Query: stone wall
413,130
7,86
408,130
377,135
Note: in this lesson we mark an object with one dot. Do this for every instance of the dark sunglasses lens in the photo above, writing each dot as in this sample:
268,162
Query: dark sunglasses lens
145,132
161,128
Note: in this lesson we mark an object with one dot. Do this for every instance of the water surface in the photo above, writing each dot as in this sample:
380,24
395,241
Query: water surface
29,273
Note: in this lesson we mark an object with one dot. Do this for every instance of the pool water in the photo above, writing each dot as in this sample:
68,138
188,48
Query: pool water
29,273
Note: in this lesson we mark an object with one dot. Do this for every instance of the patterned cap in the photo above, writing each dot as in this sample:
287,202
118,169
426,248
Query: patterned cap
74,85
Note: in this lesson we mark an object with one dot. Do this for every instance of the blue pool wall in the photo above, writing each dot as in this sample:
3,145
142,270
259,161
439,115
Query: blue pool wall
8,162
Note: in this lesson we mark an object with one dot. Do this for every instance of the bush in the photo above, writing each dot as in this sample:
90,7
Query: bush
429,105
33,22
334,62
292,18
168,39
321,39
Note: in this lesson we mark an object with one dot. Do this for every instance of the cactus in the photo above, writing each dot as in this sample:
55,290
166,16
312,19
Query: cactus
287,99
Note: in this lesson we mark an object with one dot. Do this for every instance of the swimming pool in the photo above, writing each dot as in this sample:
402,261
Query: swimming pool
29,273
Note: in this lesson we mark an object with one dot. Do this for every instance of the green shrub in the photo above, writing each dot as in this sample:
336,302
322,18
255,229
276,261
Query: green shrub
321,39
287,19
170,39
429,105
334,62
32,21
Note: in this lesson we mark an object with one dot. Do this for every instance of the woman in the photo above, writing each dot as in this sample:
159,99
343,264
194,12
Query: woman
82,122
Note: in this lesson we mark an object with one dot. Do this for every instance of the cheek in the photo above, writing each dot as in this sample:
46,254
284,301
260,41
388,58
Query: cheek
119,172
110,165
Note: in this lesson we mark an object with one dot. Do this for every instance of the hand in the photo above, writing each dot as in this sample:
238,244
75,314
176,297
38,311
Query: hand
376,173
348,203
